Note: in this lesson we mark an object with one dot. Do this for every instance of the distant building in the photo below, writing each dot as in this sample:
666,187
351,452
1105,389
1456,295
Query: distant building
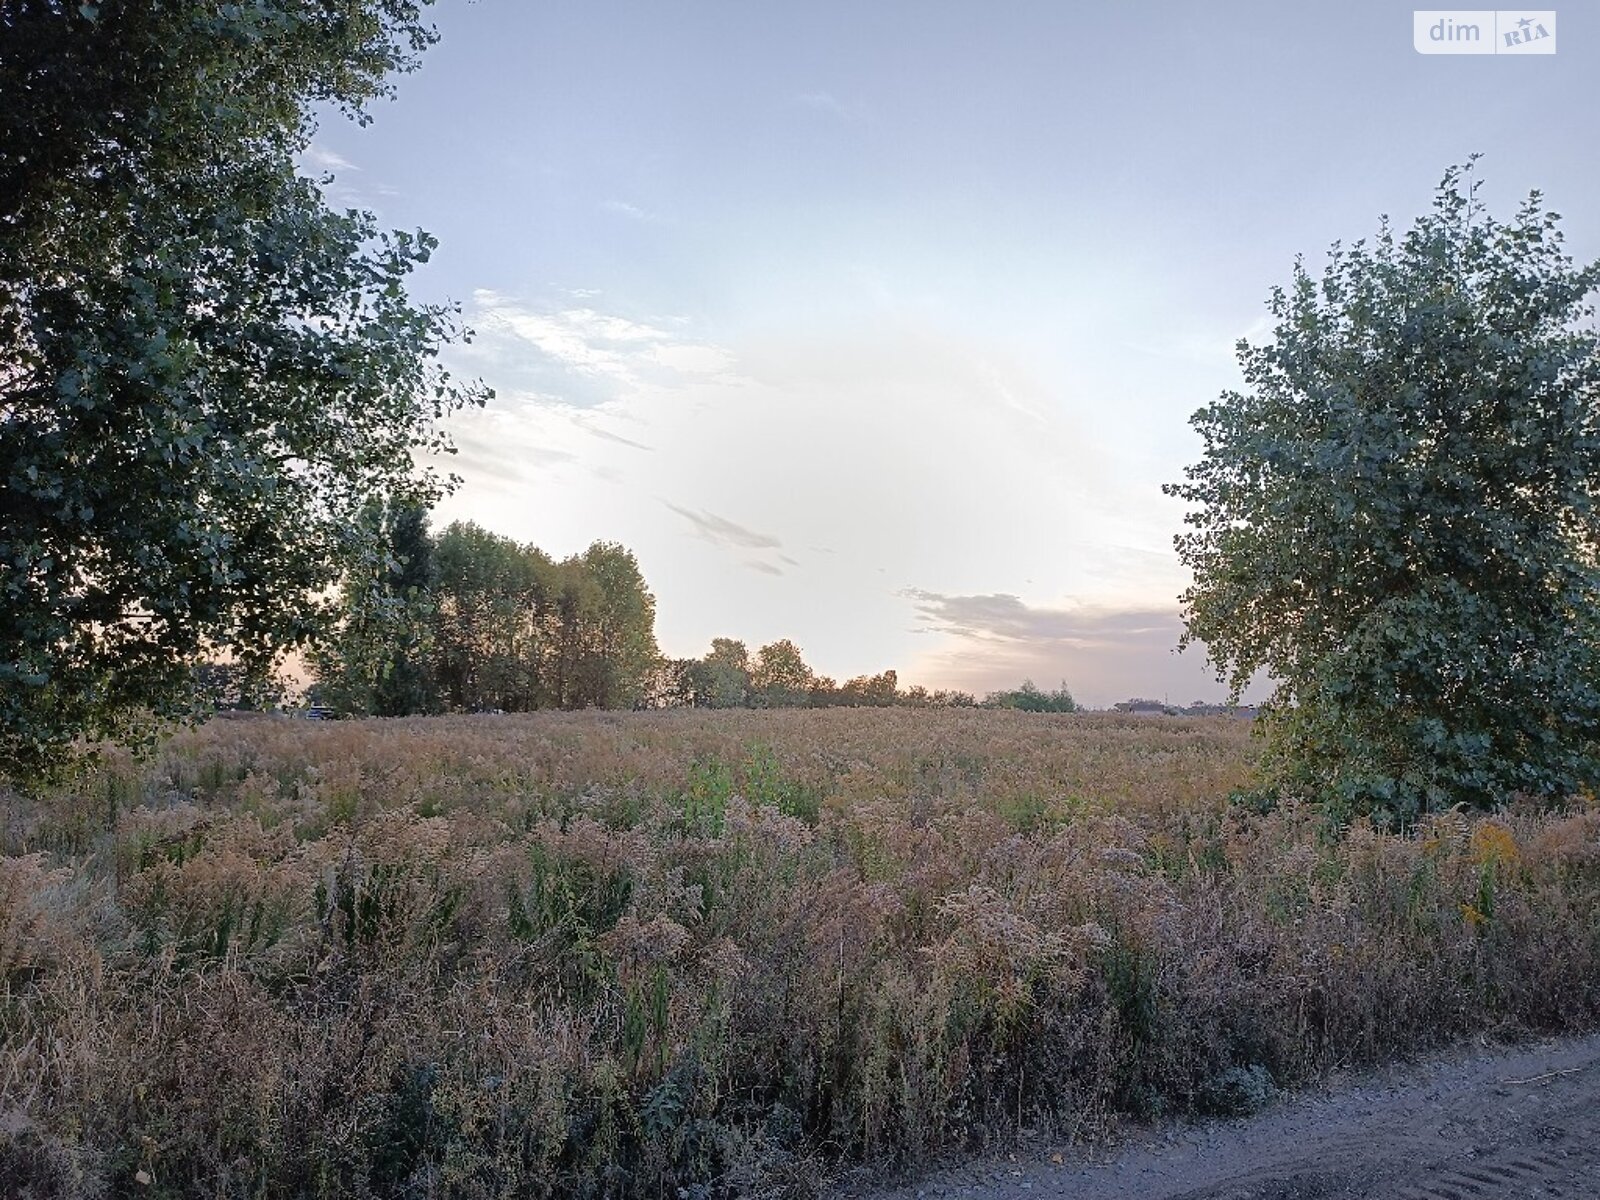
1200,708
1146,707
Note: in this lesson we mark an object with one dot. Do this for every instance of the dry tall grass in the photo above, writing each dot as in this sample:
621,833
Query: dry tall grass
682,954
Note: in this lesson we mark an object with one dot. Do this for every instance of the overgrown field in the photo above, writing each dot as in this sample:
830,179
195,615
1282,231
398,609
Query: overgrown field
684,954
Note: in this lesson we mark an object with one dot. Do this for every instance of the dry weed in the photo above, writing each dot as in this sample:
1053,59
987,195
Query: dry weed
717,954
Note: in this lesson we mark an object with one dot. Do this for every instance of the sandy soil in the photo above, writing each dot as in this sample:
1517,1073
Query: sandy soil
1480,1125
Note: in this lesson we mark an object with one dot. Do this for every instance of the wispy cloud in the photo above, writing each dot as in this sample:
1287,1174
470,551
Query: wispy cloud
607,435
632,211
729,535
324,159
1208,345
496,451
580,355
723,532
691,358
332,172
1003,617
1104,653
825,102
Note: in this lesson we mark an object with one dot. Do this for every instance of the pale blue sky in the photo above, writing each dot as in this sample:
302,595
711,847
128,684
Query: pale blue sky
878,326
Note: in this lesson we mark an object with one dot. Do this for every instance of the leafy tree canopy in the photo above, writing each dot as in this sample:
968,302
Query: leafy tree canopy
724,678
1030,698
377,662
205,372
1397,520
780,678
474,621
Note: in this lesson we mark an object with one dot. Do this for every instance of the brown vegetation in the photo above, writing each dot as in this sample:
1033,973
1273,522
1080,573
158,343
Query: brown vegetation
608,954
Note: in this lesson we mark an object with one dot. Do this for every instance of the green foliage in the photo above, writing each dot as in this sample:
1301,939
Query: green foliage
405,1128
646,1018
1397,522
1028,698
231,686
386,905
705,800
493,608
780,678
405,679
207,371
1237,1091
478,622
378,662
869,691
918,696
725,679
618,654
567,905
765,781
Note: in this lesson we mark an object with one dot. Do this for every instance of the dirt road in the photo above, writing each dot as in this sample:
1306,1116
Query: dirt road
1490,1125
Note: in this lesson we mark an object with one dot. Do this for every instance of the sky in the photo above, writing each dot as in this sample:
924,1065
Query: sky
878,326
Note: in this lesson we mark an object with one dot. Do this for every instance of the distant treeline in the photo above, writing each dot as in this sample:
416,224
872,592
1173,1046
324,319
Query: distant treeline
470,621
777,676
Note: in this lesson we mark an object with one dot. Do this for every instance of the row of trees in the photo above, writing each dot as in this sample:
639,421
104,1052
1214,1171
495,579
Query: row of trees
777,676
470,620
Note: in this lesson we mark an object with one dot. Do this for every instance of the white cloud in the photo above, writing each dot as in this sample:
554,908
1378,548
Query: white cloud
632,211
825,102
321,158
693,359
579,354
603,327
332,171
920,459
1215,346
